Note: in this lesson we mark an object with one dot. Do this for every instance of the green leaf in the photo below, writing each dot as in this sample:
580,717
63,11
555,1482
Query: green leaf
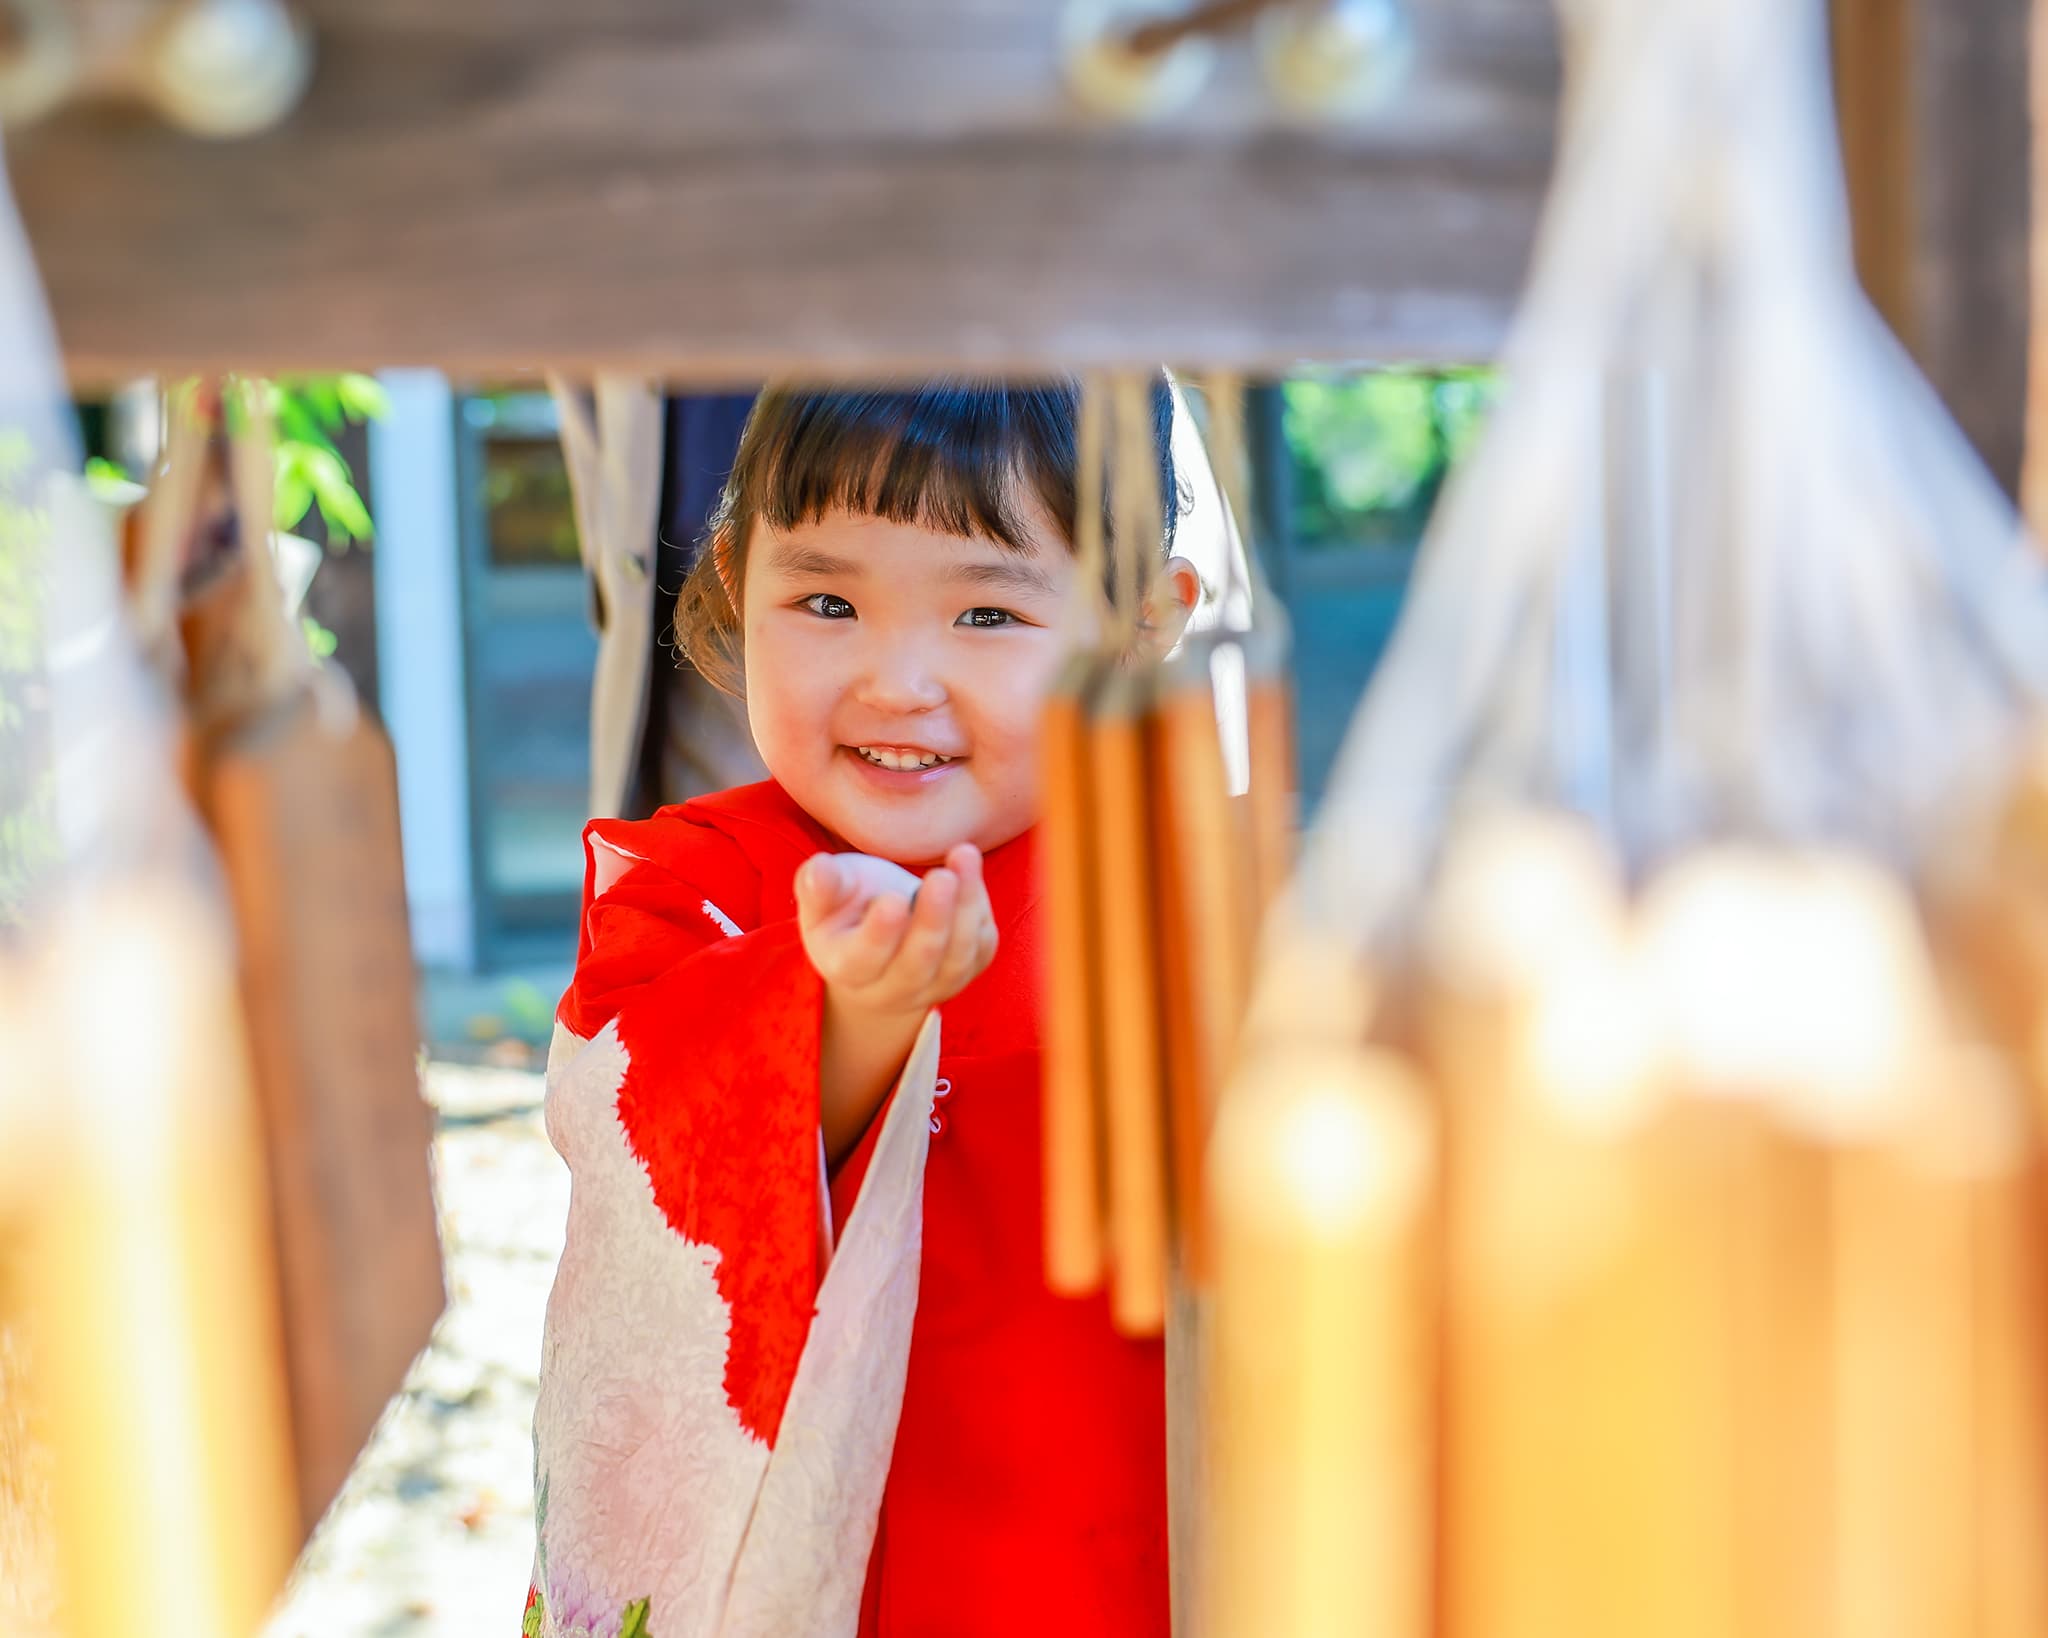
363,396
634,1623
319,397
296,424
319,639
324,402
346,516
335,491
294,491
108,483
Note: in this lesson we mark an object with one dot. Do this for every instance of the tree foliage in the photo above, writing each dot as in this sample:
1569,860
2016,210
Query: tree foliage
1369,451
311,412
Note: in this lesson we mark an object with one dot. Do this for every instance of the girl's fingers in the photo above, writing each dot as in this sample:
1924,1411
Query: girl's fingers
821,888
964,938
965,862
917,953
865,953
924,941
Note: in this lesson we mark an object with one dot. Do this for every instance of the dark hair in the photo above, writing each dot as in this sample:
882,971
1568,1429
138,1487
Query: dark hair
962,457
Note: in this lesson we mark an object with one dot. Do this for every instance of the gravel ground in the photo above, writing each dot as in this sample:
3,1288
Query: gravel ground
432,1537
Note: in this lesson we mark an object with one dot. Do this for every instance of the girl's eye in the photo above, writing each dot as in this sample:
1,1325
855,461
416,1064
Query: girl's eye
827,607
987,618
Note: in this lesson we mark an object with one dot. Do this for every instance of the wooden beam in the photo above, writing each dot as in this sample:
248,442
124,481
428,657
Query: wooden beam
1934,103
2034,467
1872,42
718,189
1973,226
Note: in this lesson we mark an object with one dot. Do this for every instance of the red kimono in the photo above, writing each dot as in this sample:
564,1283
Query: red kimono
1026,1491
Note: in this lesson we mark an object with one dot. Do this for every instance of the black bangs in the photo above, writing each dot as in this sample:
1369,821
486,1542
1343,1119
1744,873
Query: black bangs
966,459
972,459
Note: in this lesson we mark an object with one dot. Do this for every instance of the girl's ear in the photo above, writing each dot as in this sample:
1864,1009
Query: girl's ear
1175,595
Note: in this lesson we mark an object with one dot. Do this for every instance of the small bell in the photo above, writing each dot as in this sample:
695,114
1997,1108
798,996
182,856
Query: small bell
1335,58
1112,71
228,68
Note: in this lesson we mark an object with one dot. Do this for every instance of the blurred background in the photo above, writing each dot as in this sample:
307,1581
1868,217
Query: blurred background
451,589
432,227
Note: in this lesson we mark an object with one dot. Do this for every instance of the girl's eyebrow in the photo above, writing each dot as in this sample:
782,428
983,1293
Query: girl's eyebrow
809,561
1012,574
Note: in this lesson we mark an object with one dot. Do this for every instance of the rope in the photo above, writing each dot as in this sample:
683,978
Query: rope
1089,439
1140,510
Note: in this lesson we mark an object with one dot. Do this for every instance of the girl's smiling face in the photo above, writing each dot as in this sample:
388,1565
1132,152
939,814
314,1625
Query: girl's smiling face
894,676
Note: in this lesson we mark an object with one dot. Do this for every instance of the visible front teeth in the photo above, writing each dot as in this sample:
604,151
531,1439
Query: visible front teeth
901,761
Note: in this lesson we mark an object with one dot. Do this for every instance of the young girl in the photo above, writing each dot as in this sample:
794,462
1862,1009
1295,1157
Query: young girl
731,1344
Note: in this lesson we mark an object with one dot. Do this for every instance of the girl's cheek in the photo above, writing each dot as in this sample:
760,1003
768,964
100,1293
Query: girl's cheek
1013,699
807,699
777,675
1031,684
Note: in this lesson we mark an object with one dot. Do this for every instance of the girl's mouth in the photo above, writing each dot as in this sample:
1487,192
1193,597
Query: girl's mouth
899,758
899,767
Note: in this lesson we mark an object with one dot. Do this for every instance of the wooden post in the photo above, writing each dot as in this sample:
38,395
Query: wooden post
2034,482
1871,50
1933,98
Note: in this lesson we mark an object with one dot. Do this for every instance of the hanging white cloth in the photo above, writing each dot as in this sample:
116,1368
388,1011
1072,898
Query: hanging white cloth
611,441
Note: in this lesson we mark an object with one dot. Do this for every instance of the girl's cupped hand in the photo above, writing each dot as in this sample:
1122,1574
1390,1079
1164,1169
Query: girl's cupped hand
889,944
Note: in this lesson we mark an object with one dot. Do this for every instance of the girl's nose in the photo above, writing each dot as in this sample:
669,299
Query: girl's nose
899,678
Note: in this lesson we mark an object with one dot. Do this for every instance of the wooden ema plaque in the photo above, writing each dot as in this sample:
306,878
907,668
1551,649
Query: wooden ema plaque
304,806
